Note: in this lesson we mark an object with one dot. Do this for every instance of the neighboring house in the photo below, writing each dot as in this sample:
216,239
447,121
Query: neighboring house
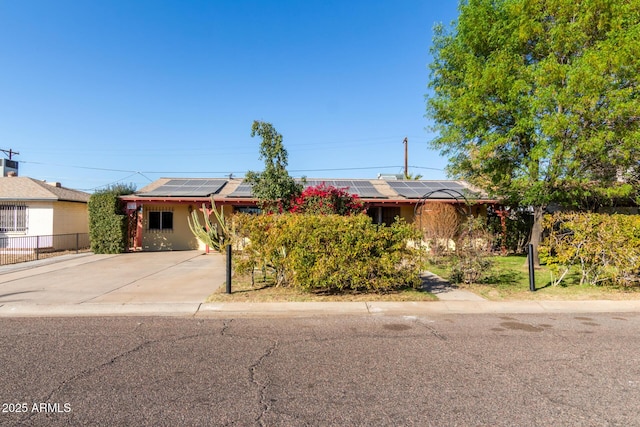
159,212
29,207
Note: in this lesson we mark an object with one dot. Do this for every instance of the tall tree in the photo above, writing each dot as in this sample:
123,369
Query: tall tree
538,101
273,187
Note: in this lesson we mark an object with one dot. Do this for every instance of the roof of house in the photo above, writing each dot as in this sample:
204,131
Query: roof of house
21,188
237,190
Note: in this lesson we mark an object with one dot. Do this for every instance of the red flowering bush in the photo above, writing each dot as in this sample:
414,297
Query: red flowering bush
327,200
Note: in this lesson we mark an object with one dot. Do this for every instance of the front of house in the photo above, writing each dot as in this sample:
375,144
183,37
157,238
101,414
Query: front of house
29,208
159,212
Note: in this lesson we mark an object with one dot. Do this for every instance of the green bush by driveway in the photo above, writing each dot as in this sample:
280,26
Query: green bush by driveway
330,252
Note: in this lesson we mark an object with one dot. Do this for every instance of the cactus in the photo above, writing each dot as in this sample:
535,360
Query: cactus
216,236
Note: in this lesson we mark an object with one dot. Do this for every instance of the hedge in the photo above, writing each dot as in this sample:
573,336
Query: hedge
330,252
604,248
107,221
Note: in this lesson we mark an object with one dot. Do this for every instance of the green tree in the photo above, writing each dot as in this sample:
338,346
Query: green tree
273,187
537,101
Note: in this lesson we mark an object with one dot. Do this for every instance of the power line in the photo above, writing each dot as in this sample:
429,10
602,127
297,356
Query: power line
142,173
424,167
80,167
10,152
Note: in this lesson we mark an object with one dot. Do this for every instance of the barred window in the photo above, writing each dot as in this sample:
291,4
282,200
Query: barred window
162,220
13,218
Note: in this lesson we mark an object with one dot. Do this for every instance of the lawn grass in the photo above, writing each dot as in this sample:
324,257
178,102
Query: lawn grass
243,291
508,279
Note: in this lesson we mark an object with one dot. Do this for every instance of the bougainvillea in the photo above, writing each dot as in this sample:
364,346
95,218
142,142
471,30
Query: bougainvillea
326,200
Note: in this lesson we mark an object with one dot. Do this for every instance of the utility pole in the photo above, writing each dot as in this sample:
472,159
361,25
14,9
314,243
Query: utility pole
10,152
406,158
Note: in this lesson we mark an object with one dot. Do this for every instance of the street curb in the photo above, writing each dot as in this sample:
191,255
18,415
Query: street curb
97,309
301,309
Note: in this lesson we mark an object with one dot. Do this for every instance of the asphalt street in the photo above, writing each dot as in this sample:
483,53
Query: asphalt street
383,370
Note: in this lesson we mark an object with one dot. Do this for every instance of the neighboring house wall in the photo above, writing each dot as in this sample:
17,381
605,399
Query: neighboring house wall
69,217
39,219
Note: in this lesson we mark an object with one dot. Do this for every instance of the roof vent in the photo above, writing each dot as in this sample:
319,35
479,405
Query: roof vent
53,183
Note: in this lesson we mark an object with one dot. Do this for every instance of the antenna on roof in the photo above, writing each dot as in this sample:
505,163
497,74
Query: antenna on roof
406,157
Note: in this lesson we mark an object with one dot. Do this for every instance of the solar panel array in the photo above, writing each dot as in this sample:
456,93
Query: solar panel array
364,189
203,187
188,187
418,189
242,190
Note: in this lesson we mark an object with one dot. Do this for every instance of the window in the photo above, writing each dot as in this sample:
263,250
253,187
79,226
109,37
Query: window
389,214
161,220
13,218
384,214
247,209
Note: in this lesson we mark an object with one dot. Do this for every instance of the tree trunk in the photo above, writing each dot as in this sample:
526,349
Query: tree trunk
536,233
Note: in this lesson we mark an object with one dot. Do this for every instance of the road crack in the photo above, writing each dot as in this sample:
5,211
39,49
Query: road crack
89,371
433,330
265,405
225,326
147,342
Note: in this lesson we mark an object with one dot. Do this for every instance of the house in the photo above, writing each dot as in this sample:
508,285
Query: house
29,207
159,212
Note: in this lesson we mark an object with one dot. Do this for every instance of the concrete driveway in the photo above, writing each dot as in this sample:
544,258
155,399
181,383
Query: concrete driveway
132,278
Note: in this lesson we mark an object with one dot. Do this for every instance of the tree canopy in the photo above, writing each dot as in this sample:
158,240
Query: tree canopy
537,101
273,187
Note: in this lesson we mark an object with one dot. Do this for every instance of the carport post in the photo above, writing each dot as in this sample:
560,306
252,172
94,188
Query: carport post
228,269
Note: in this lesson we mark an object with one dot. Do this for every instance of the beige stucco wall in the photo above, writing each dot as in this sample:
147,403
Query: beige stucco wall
70,218
406,212
39,218
180,238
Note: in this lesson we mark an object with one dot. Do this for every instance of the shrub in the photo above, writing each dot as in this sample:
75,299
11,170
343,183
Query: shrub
323,199
605,248
330,252
473,247
107,220
440,223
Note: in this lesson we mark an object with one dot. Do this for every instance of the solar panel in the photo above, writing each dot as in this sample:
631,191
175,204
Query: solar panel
418,189
188,188
243,190
363,189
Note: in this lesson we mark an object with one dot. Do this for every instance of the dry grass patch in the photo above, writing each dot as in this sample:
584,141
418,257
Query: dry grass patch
243,291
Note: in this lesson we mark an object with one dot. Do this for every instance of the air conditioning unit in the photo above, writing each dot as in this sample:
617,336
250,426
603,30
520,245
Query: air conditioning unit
8,166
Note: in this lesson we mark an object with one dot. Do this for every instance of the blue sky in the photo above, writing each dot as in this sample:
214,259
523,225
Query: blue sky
98,92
